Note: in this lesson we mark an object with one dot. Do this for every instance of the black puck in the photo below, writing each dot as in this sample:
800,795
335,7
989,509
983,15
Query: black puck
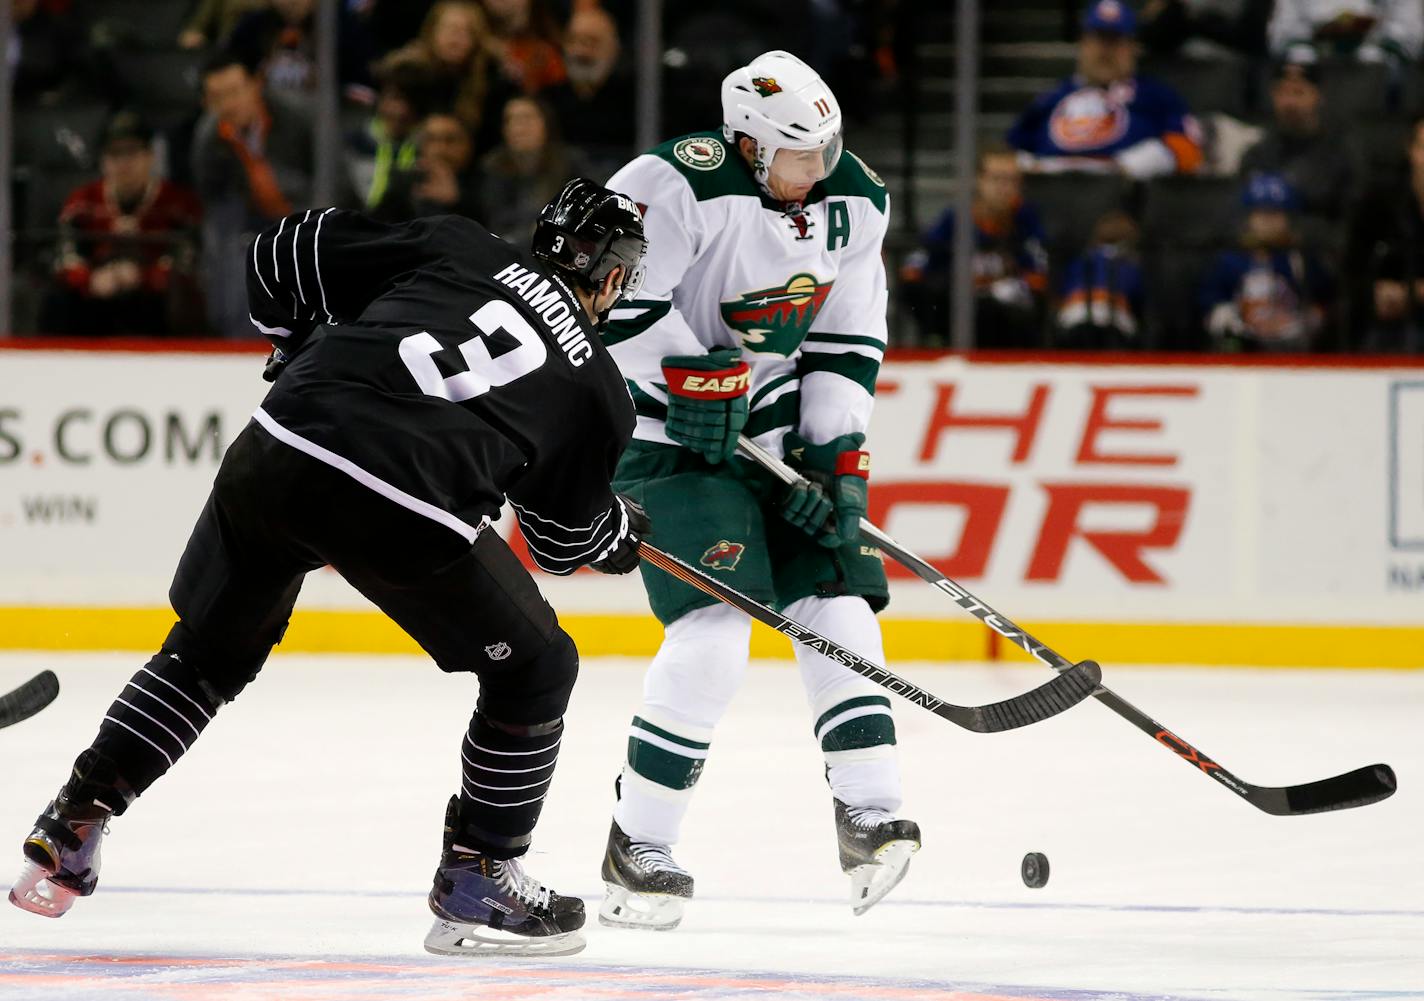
1034,870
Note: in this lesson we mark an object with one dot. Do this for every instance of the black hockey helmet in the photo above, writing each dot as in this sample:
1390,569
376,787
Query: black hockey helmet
587,231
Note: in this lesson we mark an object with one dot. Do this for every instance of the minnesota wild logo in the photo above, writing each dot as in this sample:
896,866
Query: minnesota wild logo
723,556
700,153
776,320
766,85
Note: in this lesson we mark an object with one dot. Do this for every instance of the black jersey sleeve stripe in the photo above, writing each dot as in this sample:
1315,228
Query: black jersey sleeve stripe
327,265
526,512
296,264
277,268
565,564
316,265
590,550
568,542
257,266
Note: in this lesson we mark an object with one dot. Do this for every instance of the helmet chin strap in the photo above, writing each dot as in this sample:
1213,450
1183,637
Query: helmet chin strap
761,170
761,160
761,167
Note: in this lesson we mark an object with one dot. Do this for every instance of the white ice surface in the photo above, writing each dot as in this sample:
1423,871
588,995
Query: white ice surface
287,856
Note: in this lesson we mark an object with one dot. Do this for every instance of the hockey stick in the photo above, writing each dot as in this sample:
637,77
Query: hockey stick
1360,787
1074,685
29,698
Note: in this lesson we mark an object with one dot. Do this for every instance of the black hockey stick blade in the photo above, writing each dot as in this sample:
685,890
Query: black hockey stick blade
1049,699
1080,681
29,698
1361,787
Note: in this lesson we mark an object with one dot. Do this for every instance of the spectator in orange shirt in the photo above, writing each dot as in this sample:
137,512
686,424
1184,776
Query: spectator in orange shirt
126,256
253,162
527,37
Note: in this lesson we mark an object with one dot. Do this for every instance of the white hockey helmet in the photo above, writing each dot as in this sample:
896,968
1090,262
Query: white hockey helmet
783,104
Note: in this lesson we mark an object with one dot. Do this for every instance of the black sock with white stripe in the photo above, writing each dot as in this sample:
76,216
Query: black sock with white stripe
154,721
506,773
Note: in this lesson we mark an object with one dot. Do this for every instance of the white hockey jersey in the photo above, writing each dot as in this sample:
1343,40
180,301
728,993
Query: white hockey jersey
803,296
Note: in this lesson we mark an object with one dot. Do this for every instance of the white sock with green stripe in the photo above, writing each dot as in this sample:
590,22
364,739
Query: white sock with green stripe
665,757
851,716
697,670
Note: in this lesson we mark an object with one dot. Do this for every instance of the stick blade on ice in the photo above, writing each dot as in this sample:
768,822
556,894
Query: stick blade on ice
29,698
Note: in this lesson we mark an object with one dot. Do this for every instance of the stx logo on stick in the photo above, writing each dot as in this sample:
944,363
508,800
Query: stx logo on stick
989,617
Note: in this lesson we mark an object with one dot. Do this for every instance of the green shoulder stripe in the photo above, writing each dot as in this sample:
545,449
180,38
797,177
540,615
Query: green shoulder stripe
860,340
620,330
776,383
644,405
784,412
857,368
853,177
709,165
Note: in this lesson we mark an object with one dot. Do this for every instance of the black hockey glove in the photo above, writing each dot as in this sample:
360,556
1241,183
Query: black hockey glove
276,361
623,558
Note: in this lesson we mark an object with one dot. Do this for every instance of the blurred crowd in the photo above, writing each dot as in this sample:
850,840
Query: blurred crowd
1223,175
153,138
1229,175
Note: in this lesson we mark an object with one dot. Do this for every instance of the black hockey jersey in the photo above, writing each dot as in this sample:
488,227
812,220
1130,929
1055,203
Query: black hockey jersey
446,370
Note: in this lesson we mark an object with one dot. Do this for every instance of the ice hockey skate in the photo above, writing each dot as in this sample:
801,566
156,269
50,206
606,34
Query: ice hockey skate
488,906
61,857
875,849
646,888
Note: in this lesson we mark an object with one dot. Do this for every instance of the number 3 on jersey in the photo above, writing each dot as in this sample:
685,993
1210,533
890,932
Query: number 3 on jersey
485,371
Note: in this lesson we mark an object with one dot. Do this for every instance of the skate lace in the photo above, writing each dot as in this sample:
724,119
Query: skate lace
514,880
868,817
652,857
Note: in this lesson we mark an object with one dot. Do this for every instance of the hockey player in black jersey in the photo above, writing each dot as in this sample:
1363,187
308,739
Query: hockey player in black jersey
424,374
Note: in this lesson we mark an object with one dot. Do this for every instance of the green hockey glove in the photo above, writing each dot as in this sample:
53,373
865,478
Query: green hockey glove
843,471
806,506
707,401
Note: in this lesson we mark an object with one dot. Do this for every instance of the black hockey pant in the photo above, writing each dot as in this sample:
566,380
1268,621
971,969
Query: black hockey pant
276,514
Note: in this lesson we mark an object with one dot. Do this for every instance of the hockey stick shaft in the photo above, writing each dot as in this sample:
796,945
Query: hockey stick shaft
1064,692
29,698
1360,787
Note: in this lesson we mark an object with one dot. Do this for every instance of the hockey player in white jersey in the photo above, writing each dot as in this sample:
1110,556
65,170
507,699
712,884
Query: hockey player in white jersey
763,312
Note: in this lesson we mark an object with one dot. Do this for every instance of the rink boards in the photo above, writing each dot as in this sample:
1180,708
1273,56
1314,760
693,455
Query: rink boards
1173,512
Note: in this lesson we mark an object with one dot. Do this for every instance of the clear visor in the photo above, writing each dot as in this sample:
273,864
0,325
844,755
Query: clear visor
632,282
800,167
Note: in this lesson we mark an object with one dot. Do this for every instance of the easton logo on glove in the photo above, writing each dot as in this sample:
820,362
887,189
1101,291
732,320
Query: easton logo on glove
706,385
853,464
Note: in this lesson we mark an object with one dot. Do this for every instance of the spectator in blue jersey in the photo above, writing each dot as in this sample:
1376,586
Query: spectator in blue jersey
1270,294
1010,265
1106,118
1102,301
